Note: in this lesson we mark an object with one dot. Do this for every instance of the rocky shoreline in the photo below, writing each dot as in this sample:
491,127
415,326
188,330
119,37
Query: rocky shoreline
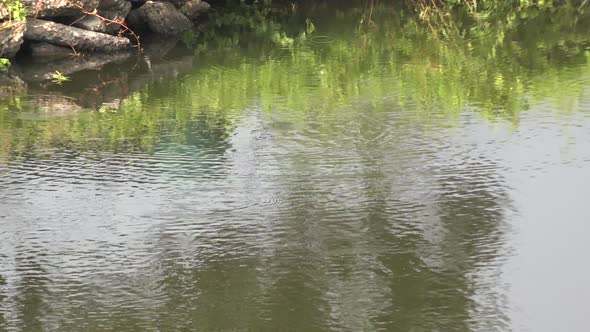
98,81
61,28
105,50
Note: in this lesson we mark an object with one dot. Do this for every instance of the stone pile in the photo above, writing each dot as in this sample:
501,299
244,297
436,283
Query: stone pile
62,27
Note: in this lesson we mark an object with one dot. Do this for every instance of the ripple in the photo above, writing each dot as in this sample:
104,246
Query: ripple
366,205
321,39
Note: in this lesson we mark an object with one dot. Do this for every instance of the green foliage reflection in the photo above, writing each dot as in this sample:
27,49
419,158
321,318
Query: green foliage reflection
323,59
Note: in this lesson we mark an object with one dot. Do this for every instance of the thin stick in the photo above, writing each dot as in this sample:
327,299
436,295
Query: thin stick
120,22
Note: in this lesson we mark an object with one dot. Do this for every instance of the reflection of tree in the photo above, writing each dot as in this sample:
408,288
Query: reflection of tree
386,235
351,243
296,268
433,264
491,66
471,207
3,321
204,290
31,293
440,295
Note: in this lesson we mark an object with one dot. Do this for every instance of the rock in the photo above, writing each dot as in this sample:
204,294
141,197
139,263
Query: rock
91,23
51,8
11,38
137,3
47,52
163,18
116,15
135,20
113,5
176,3
64,35
194,8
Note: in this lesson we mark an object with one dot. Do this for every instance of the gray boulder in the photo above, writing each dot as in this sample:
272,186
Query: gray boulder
91,23
11,38
135,20
195,8
113,5
163,18
116,14
64,35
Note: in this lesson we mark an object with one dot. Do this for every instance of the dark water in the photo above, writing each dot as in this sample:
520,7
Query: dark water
357,177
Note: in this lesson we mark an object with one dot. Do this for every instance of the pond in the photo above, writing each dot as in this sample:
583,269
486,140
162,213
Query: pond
319,168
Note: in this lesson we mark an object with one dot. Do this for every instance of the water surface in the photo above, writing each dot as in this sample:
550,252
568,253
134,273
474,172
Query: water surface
278,177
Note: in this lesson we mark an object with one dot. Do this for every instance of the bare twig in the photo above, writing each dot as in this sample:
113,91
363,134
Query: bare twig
78,20
120,21
76,53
